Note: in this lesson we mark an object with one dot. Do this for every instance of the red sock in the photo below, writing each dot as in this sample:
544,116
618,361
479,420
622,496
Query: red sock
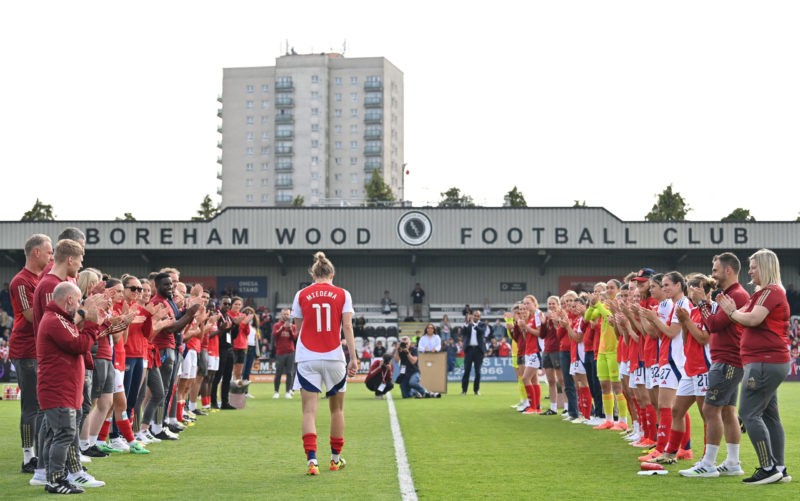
104,430
310,445
531,392
205,401
537,395
664,428
643,423
337,444
125,428
586,399
687,435
179,410
675,438
652,422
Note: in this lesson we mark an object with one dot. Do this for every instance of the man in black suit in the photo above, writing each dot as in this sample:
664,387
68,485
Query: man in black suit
474,333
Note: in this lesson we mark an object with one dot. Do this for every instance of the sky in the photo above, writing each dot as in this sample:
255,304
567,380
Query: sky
110,107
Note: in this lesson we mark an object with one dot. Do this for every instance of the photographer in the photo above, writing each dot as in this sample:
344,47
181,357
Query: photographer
408,379
379,378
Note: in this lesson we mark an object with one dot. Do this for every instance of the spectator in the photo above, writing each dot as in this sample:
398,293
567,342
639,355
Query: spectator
359,326
5,299
417,296
491,348
444,327
499,328
379,349
379,378
503,348
386,303
284,336
430,342
466,310
452,351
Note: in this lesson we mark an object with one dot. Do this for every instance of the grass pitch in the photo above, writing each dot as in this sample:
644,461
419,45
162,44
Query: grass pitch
458,447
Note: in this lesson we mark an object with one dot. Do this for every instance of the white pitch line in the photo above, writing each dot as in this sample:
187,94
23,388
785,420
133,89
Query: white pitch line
407,490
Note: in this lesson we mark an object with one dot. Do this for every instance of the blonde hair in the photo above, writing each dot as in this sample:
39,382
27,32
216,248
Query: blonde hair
570,293
769,268
87,279
532,298
67,248
322,267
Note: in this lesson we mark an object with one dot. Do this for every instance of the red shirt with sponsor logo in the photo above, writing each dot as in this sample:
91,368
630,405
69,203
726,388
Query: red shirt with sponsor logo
60,348
240,341
532,340
164,339
23,342
768,342
698,357
284,335
550,336
43,295
726,336
650,346
321,306
194,342
138,331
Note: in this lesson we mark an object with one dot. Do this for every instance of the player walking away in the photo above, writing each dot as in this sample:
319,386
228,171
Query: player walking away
320,311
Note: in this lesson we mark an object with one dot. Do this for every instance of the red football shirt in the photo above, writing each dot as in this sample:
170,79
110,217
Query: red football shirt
769,341
321,306
23,342
698,359
726,336
138,332
650,346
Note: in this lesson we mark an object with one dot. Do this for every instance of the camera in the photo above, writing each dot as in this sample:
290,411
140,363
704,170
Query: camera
403,345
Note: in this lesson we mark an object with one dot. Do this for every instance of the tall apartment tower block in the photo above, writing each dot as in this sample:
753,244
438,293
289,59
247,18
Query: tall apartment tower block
314,126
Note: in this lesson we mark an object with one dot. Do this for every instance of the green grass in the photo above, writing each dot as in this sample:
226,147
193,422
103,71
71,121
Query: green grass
465,447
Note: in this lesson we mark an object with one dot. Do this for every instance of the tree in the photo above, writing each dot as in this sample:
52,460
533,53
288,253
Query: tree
739,215
207,210
515,198
669,207
378,190
580,203
298,201
39,212
453,198
126,217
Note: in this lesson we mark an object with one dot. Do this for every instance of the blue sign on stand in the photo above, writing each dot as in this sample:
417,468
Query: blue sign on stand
243,286
493,369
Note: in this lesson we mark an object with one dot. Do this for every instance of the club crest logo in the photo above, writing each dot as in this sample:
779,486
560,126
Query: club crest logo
414,228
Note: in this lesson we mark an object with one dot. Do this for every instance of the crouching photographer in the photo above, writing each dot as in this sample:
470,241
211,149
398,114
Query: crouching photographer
408,377
379,378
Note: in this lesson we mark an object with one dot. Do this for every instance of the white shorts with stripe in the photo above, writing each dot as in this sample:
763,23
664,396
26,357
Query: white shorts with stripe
189,365
667,377
119,381
651,377
534,361
313,375
693,386
637,377
624,369
213,362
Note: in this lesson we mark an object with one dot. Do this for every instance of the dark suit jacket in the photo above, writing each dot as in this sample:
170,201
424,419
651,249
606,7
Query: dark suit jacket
481,333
